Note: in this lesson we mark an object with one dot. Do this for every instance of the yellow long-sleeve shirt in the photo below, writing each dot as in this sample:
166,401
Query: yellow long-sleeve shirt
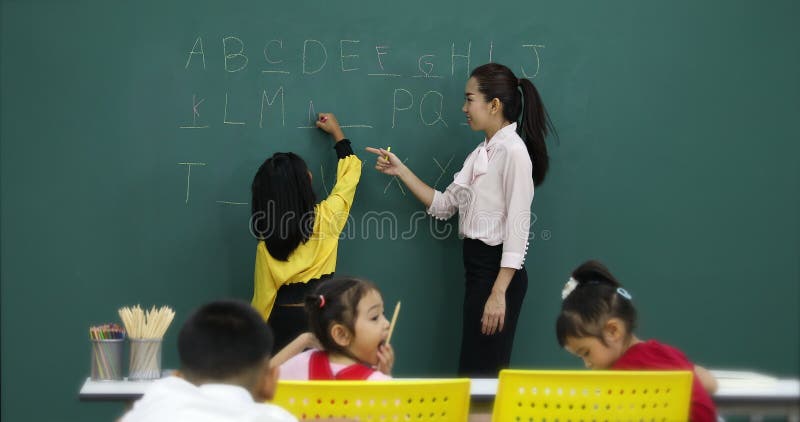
317,256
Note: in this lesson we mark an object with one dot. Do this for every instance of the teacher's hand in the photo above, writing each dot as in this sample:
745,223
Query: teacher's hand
494,314
387,162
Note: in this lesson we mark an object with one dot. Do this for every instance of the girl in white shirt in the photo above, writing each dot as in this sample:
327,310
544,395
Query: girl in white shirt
492,193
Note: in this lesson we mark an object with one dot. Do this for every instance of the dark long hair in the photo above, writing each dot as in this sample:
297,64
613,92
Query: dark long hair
283,204
595,300
498,81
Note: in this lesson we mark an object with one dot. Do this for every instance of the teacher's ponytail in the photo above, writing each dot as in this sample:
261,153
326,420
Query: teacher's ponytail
535,125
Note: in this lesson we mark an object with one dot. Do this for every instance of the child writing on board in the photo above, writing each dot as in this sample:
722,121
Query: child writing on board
597,323
298,238
225,373
347,320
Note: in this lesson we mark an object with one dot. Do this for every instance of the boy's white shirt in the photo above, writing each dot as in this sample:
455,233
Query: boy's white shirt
174,399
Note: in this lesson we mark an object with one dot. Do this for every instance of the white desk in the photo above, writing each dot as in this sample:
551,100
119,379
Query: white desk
757,396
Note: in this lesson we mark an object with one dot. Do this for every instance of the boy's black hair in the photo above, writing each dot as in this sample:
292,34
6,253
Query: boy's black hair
335,302
594,301
283,204
223,339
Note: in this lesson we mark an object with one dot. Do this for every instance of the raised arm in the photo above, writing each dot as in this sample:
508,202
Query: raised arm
335,209
298,345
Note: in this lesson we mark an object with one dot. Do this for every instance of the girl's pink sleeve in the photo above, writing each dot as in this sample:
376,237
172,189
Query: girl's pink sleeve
379,376
296,368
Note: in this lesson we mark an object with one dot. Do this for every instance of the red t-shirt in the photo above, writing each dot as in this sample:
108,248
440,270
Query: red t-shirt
654,355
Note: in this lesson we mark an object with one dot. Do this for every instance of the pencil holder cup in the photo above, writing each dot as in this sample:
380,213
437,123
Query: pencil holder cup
106,362
145,361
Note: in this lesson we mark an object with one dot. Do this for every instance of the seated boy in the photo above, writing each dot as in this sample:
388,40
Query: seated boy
225,374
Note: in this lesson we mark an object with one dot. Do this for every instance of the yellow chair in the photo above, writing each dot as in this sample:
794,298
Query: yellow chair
376,401
593,396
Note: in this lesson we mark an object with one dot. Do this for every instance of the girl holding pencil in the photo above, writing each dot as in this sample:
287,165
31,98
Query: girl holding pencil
298,238
492,194
349,338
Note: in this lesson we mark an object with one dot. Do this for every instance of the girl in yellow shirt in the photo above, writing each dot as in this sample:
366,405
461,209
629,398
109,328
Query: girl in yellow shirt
298,237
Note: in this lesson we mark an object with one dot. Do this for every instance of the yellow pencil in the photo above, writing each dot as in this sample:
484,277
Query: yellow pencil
394,320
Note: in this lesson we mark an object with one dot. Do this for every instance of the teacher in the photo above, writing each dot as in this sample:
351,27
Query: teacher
492,193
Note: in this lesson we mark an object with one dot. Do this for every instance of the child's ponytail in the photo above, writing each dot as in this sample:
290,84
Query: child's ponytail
593,270
335,302
591,297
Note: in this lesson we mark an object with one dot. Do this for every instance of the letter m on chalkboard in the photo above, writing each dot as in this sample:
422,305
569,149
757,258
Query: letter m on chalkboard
266,102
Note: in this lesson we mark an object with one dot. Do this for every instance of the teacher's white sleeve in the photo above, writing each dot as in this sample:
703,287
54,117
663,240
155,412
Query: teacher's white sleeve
444,204
518,190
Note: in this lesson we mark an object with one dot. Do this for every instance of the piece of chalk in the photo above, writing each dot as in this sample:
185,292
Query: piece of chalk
388,149
323,119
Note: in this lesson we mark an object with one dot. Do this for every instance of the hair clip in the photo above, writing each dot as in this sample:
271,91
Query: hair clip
321,301
568,288
624,293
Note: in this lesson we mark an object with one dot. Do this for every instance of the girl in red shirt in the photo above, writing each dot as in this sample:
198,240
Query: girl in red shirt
597,322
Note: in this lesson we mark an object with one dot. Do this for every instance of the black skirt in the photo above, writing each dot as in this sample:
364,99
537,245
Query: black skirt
485,355
288,318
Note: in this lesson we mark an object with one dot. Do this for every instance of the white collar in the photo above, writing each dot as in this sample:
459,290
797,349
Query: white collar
500,134
477,163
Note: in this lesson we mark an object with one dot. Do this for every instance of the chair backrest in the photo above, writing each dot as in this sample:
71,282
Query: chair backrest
593,396
376,401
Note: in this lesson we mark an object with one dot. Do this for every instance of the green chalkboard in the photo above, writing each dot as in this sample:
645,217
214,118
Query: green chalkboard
131,132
